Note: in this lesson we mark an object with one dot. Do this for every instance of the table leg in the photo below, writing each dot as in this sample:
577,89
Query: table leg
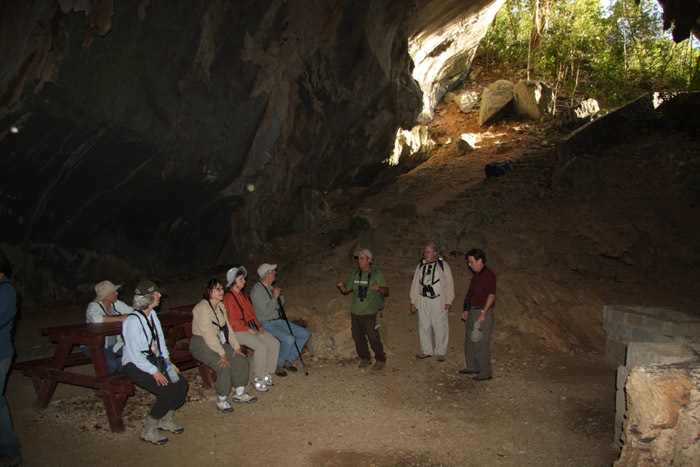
114,405
99,362
49,386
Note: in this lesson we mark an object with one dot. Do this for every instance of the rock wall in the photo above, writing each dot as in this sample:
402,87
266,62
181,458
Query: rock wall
141,137
663,416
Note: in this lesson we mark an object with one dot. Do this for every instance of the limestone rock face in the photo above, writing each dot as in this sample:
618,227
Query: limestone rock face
663,416
175,135
494,98
533,99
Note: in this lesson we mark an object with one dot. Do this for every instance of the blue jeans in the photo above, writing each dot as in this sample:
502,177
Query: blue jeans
9,442
113,364
279,329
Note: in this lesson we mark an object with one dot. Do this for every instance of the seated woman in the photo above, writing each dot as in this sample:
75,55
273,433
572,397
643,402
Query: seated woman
249,331
214,344
144,359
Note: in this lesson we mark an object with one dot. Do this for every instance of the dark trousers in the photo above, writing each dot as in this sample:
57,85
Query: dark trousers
168,397
478,354
364,328
236,374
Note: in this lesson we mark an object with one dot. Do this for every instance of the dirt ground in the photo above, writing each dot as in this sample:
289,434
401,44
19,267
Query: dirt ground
543,407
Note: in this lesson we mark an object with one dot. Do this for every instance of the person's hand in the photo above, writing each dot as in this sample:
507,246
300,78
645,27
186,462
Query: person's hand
448,306
239,351
482,318
464,315
253,331
161,380
223,361
340,285
276,291
176,368
262,330
375,287
413,308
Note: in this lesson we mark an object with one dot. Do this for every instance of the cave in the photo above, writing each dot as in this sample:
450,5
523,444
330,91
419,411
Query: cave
172,140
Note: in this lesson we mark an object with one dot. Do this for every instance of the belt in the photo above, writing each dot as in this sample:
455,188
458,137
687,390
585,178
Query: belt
426,296
477,308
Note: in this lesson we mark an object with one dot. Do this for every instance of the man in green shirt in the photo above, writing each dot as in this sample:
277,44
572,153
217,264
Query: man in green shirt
369,289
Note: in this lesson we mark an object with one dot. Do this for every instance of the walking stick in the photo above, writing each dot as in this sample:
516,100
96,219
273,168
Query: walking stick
283,314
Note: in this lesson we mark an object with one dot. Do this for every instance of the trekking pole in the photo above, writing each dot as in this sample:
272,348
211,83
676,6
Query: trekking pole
283,314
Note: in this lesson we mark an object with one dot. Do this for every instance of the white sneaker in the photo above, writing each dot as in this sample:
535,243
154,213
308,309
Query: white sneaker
260,385
224,407
268,380
244,398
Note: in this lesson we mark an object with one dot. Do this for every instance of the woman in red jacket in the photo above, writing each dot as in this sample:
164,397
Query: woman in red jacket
249,331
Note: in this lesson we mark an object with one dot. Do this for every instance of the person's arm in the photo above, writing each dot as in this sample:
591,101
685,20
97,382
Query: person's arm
203,325
414,293
489,303
380,284
264,305
448,286
135,341
8,303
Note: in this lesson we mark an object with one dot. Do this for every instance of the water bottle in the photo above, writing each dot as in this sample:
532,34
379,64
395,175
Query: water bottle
172,374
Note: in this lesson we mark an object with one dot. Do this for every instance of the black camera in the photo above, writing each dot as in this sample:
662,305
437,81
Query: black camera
362,293
428,291
252,325
467,305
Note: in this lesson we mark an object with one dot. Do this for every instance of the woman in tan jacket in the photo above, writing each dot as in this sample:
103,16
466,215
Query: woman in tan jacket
214,344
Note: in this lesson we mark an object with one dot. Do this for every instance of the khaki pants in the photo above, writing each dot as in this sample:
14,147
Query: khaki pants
266,348
432,319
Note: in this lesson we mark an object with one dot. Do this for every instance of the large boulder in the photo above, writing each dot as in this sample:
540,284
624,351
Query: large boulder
533,99
663,416
494,98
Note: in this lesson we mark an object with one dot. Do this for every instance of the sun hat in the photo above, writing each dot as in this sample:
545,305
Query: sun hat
265,268
365,252
477,334
104,289
233,273
145,287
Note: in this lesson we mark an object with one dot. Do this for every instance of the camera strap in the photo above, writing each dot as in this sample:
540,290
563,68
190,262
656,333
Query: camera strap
240,308
222,327
279,304
152,337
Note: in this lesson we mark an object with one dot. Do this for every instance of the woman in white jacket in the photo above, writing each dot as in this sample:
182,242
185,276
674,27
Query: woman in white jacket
144,350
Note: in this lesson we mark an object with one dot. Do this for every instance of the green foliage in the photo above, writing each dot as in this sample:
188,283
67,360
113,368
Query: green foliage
612,53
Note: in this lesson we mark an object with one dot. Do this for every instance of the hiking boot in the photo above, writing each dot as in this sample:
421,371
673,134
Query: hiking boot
224,407
441,358
482,378
289,367
268,380
467,371
244,398
378,366
152,435
280,372
422,356
171,426
259,385
364,363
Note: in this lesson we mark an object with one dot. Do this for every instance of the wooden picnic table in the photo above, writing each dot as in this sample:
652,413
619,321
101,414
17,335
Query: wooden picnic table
113,388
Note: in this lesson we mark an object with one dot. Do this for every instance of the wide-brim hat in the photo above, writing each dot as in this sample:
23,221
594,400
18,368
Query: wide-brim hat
265,268
233,273
104,289
477,334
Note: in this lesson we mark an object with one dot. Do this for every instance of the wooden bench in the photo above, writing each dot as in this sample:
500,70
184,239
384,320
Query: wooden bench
114,388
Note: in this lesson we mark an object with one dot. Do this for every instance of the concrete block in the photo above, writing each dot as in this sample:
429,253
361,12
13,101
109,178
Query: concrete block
615,349
647,353
622,373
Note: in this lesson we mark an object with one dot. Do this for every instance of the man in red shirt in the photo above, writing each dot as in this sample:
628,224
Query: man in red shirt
479,309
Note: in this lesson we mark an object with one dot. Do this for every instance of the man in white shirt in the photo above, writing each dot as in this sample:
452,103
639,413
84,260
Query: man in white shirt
106,308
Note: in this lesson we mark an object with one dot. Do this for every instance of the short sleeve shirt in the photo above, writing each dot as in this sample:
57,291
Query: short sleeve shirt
371,301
